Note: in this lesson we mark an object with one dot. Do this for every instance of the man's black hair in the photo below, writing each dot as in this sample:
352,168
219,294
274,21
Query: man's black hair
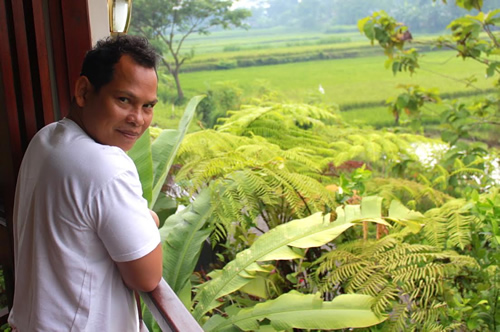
98,65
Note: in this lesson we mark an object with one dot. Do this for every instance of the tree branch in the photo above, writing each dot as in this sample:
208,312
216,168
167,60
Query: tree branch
181,41
491,35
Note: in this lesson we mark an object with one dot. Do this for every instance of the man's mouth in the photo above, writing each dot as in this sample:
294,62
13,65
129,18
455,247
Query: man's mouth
129,134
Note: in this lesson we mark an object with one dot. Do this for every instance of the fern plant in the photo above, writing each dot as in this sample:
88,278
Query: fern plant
450,226
408,281
250,177
415,195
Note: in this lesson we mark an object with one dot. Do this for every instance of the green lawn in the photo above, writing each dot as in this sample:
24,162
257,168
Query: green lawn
347,82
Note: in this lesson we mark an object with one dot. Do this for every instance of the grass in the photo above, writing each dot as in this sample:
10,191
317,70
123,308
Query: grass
347,82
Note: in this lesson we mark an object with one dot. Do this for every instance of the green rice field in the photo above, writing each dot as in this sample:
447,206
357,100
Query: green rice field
350,83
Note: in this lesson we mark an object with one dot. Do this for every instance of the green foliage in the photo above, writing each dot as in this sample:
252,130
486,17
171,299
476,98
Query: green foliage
416,195
153,160
5,328
249,177
220,98
450,225
460,119
3,295
409,280
462,169
411,102
276,244
391,36
296,310
267,172
182,236
472,37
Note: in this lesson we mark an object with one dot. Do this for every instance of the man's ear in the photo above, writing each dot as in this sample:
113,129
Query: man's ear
82,88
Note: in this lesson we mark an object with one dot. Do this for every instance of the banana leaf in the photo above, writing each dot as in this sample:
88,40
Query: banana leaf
182,237
276,244
153,161
301,311
165,147
143,159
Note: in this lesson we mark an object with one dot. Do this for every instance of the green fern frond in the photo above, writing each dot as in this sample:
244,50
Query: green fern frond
450,225
467,171
407,280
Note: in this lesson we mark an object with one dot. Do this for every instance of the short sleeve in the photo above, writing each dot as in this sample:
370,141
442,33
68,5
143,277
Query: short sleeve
122,219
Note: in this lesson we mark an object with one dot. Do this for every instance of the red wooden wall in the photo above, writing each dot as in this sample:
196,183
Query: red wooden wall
42,44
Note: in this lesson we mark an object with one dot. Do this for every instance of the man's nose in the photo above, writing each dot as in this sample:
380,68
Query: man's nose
136,117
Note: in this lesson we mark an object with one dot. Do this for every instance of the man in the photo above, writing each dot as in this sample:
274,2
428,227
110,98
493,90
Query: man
84,237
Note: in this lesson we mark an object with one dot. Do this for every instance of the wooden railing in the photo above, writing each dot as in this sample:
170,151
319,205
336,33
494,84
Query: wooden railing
168,310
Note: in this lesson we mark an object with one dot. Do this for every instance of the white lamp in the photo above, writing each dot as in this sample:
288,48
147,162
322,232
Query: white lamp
119,16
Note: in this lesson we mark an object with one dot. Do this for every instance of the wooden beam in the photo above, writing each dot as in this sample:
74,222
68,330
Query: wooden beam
10,136
24,68
59,56
44,65
9,91
76,36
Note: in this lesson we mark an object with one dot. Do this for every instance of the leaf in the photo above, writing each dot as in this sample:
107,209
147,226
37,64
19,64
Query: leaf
371,207
369,31
490,15
164,207
141,155
257,287
362,22
401,214
182,237
490,71
449,136
312,231
165,147
302,311
395,67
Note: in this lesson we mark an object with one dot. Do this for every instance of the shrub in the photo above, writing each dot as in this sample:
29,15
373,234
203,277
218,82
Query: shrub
221,97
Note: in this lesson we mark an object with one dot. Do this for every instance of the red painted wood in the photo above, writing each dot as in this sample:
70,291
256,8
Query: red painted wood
43,62
10,137
77,36
24,70
9,91
59,55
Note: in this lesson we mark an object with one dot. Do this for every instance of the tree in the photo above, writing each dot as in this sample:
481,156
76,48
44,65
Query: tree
167,23
472,37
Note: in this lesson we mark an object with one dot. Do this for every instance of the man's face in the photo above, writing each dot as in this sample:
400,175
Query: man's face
120,112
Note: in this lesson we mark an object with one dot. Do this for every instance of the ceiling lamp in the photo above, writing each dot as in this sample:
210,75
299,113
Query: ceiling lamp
119,16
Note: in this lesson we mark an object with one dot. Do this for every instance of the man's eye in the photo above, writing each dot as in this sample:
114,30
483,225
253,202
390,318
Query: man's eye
149,105
124,99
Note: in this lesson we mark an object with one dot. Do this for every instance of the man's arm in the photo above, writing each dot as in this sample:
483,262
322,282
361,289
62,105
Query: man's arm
143,274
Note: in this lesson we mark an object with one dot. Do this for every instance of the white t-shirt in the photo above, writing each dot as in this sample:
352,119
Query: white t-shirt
78,208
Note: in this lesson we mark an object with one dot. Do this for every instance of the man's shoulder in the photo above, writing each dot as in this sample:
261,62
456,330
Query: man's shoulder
66,148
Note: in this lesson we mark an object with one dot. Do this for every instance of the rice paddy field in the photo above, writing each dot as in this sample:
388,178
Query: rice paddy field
350,73
350,83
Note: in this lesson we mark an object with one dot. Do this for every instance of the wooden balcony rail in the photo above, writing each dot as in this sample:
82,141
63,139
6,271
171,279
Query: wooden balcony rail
168,310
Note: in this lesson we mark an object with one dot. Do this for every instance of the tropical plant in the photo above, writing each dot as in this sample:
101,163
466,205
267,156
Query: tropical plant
410,281
284,242
154,159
